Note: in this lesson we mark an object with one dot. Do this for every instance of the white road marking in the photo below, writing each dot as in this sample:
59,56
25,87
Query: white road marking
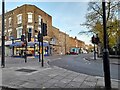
57,58
86,61
100,77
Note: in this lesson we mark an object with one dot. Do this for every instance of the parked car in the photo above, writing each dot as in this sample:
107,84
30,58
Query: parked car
73,53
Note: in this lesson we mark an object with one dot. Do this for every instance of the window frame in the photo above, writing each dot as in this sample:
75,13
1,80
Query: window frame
30,17
19,18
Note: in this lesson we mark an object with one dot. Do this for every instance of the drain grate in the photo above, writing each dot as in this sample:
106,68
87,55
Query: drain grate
26,70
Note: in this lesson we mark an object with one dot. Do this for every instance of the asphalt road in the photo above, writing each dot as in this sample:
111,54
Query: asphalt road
78,63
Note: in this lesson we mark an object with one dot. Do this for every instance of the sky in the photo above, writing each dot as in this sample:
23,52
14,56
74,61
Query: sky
67,16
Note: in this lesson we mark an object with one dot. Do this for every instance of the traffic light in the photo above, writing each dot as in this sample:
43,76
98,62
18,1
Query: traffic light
29,37
93,39
40,38
44,30
22,38
97,40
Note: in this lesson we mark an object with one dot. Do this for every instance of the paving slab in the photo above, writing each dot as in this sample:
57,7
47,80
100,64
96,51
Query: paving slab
75,84
58,77
59,84
29,85
65,80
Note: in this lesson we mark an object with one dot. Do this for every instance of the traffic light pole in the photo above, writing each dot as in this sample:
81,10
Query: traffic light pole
42,52
13,47
3,37
39,47
25,39
94,52
42,42
106,52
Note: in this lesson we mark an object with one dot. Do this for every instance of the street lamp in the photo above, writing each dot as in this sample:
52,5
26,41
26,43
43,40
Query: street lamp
106,52
3,37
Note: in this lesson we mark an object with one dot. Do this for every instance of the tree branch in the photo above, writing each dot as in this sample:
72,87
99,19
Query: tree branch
108,14
97,11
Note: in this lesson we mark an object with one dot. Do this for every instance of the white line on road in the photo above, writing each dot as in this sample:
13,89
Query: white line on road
57,58
100,77
86,61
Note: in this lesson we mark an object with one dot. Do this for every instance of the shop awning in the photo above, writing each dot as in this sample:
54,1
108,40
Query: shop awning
17,44
33,43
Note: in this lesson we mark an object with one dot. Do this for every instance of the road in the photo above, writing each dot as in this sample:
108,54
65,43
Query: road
78,63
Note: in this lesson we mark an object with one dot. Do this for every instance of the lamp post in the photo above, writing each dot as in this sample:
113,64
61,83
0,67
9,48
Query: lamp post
3,37
106,52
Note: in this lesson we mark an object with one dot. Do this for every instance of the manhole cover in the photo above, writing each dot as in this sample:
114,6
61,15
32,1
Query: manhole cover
26,70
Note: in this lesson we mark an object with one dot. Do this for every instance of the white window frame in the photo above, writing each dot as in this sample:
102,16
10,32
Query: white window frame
9,30
19,34
0,35
5,21
5,31
30,17
10,22
39,19
19,18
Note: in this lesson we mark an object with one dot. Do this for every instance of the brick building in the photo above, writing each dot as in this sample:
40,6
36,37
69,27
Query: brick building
55,41
63,43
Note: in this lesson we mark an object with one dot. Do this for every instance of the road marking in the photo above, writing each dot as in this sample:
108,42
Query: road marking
48,59
57,58
86,61
101,77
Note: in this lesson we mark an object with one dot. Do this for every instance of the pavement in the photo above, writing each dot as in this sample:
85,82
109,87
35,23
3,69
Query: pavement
20,75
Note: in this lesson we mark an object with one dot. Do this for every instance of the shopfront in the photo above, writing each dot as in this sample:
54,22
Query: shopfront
32,49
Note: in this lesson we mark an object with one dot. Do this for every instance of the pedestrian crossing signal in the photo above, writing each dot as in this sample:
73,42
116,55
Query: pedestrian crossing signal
22,38
29,37
95,40
44,30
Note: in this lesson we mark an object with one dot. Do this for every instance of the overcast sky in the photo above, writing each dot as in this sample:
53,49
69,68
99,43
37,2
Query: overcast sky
65,15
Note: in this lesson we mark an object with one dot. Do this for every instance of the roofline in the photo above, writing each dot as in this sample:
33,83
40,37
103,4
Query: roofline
27,5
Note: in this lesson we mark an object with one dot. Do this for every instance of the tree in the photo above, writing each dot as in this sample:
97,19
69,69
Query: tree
94,20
